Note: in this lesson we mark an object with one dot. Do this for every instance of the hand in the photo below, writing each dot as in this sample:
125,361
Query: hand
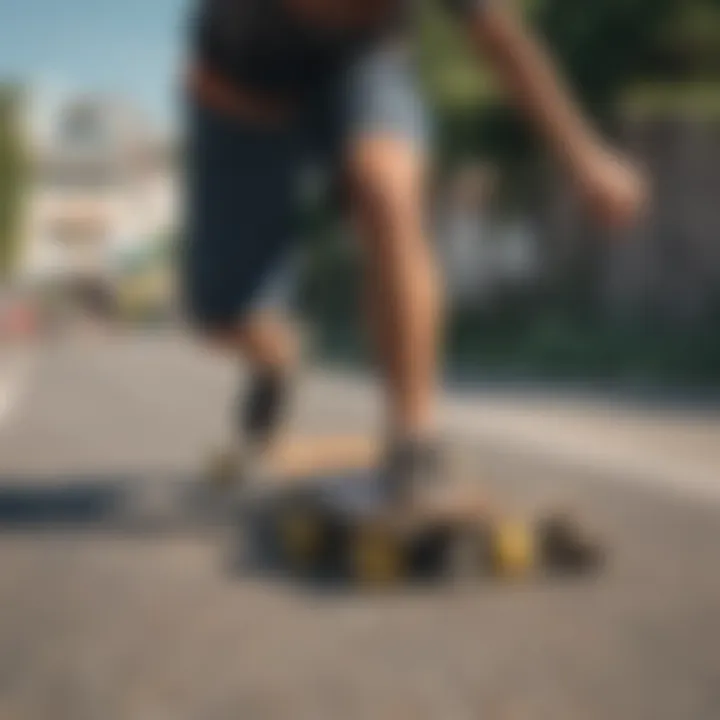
613,188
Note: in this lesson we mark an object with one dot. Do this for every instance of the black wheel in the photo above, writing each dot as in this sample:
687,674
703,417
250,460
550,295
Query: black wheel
377,557
467,555
300,534
567,547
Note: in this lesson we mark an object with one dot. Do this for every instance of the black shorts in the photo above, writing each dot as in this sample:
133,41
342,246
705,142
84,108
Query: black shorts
244,183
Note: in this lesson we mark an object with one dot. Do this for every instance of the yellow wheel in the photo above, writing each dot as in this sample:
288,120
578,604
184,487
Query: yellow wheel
513,549
377,558
300,537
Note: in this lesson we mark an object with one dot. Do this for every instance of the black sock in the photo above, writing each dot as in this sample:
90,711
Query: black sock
260,409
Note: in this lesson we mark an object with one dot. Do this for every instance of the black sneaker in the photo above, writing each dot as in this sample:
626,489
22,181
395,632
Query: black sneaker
412,469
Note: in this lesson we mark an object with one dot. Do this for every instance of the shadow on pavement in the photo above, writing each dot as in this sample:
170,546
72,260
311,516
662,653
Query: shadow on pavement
114,503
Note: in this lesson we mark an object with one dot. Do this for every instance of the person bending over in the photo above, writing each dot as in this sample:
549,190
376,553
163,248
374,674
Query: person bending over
274,85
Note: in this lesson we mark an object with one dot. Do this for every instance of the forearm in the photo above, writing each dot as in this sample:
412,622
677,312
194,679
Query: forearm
527,72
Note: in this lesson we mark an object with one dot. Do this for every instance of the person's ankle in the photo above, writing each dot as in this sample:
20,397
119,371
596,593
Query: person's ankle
263,406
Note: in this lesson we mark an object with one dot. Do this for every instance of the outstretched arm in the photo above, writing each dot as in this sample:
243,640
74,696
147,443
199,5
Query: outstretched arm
611,185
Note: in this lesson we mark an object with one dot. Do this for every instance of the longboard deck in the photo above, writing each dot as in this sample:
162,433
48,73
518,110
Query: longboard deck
322,512
299,458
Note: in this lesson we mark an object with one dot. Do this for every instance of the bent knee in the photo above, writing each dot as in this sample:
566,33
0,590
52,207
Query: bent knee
387,176
264,338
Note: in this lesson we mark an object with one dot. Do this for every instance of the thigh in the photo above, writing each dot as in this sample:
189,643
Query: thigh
387,154
387,142
240,200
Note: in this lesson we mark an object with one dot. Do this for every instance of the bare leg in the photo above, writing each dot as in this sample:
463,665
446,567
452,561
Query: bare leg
265,340
402,289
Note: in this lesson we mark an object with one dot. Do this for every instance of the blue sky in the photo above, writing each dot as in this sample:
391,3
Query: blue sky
130,47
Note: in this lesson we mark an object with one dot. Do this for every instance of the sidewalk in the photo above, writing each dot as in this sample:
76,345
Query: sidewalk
669,449
674,449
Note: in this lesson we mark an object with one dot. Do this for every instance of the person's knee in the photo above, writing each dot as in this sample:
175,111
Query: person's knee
387,184
263,339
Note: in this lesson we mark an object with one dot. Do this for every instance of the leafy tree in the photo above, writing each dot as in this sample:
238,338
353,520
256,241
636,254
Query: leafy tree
602,46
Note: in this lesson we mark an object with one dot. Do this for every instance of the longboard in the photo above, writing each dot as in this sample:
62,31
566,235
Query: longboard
319,514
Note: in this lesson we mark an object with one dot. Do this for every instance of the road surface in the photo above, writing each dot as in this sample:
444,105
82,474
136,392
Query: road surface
102,621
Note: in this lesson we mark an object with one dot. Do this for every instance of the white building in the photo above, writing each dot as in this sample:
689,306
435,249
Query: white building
103,185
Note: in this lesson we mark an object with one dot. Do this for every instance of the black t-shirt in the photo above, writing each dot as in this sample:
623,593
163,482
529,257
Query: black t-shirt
260,45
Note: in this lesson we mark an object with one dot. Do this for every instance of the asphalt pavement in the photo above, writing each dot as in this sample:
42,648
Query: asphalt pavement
103,619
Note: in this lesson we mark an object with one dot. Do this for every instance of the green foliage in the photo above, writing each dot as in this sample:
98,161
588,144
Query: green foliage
689,99
688,43
454,80
603,47
555,344
330,284
12,176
